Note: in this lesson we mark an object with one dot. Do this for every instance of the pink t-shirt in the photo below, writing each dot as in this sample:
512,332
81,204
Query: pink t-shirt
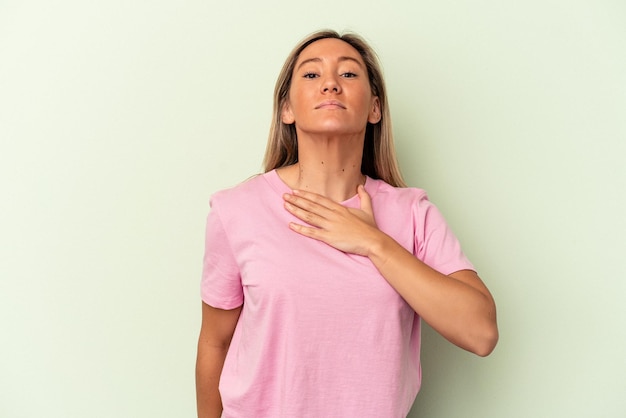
321,332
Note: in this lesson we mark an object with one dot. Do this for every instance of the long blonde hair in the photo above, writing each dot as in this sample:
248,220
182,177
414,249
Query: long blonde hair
379,155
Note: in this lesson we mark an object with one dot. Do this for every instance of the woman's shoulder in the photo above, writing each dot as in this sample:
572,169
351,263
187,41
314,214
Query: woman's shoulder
243,191
385,191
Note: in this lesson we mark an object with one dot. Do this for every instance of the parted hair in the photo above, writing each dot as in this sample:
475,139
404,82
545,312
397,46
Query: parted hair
379,156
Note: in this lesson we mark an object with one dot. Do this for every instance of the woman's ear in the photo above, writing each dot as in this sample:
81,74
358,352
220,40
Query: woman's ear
375,114
286,115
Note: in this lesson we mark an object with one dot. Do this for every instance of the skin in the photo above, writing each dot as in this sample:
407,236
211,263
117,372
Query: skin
330,136
330,102
218,326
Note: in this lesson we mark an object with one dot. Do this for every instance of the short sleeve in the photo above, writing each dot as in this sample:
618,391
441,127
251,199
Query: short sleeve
435,243
221,281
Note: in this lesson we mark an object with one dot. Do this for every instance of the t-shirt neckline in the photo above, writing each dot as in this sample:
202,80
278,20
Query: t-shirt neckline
281,187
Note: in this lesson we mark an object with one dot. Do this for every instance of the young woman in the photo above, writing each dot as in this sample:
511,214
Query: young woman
317,272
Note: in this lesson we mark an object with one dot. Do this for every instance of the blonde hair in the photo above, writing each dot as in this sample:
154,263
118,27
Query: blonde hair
379,155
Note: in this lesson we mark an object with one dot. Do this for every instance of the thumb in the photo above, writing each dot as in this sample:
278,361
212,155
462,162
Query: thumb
366,200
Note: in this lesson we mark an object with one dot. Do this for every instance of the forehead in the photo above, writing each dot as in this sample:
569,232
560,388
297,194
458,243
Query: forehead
328,49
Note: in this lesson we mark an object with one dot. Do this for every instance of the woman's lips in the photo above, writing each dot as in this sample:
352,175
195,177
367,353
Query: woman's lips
330,104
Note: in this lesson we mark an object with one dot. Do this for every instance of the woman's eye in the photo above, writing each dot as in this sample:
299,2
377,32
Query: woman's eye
310,75
348,74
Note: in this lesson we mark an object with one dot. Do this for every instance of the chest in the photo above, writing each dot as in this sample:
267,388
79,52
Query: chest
279,267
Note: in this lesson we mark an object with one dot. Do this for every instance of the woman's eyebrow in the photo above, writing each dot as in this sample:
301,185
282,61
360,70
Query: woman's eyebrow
340,59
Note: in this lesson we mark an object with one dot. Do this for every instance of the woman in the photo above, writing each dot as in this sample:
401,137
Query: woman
316,273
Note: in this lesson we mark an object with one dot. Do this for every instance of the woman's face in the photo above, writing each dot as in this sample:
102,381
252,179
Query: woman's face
330,91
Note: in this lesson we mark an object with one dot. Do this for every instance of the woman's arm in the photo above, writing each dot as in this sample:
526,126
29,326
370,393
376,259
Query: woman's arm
458,306
217,330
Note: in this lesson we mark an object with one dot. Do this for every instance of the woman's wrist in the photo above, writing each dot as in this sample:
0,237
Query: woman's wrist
379,246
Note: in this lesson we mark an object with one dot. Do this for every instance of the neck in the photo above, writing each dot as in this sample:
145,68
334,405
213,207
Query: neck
329,167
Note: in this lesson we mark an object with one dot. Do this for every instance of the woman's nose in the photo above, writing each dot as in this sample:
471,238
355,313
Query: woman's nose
331,85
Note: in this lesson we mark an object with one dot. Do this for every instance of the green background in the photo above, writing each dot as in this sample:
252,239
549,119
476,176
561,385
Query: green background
118,119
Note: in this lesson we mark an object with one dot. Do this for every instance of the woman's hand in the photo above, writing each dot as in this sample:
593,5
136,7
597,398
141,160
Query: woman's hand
346,229
458,306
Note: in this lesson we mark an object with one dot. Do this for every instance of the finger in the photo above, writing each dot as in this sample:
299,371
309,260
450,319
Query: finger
306,231
366,200
307,204
309,232
307,216
316,198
